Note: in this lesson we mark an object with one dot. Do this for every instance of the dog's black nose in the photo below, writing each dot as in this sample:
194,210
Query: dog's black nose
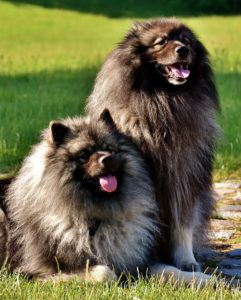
107,160
182,51
111,162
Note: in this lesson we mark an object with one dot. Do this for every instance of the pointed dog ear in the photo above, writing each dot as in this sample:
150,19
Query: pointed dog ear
58,132
140,25
137,25
106,117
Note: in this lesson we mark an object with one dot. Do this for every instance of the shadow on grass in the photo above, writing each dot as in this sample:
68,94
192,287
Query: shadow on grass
228,156
30,101
142,8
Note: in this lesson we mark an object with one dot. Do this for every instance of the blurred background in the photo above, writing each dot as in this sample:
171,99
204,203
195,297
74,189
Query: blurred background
51,51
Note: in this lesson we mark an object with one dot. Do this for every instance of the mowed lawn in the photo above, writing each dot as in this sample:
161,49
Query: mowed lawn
13,287
49,59
48,62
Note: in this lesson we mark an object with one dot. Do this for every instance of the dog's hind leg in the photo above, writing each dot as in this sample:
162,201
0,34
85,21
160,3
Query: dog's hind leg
168,272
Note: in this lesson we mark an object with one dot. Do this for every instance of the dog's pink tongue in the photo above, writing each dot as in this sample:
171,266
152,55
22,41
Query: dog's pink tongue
180,72
108,183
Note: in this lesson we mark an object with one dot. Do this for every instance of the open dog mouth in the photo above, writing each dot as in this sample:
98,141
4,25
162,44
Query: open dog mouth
178,72
105,174
103,184
108,183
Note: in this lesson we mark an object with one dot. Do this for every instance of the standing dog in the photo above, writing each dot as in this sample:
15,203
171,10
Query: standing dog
158,86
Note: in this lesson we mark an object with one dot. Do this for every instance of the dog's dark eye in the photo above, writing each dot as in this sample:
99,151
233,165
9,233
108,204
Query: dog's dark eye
83,156
163,41
186,41
160,41
111,148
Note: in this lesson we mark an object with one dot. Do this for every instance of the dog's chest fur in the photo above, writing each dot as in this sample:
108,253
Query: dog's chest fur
125,244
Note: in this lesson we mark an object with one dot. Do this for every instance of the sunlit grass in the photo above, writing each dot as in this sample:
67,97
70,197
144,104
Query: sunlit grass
49,59
15,287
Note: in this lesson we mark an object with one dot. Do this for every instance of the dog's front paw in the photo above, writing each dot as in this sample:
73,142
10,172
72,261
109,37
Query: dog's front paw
184,260
190,267
168,272
188,264
101,273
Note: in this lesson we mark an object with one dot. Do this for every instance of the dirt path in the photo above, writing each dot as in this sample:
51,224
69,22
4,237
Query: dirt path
224,253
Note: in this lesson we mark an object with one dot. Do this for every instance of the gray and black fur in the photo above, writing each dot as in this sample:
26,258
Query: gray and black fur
61,219
172,121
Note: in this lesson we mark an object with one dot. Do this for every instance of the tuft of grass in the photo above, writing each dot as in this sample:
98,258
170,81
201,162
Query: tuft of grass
16,287
236,240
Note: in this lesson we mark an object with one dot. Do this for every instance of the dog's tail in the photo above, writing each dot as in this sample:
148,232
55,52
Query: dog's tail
168,272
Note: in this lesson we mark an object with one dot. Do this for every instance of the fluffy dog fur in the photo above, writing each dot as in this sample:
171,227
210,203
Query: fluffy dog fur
3,237
4,183
158,86
61,218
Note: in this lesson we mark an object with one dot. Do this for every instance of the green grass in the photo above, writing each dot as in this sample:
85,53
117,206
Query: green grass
49,59
141,8
15,287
